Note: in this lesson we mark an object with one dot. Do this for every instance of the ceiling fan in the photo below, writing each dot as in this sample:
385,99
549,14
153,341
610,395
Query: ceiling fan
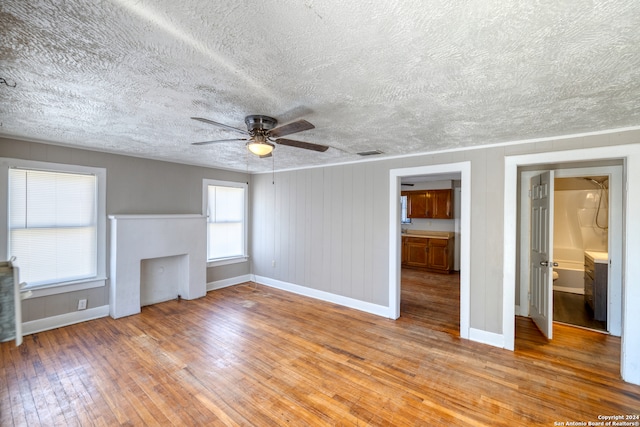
262,133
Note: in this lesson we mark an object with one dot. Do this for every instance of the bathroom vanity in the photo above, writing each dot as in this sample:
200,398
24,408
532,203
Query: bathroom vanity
596,268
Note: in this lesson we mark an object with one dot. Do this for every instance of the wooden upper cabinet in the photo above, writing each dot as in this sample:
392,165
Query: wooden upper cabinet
429,204
417,204
440,202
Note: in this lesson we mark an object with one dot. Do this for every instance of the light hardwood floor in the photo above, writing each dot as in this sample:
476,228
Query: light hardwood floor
251,355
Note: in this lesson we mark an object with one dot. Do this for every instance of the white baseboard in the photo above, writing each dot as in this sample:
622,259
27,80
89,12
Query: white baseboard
219,284
484,337
367,307
66,319
579,291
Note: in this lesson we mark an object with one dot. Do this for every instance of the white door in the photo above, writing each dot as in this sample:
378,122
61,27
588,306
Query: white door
541,253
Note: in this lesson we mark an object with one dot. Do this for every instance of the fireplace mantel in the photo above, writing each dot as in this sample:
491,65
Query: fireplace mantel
139,237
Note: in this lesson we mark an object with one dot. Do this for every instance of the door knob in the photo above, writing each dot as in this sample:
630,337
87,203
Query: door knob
546,264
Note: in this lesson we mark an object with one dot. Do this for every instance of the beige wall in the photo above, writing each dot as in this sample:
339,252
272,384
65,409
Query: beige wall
134,186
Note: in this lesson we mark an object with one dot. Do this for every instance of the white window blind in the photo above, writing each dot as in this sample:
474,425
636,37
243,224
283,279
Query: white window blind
225,222
53,225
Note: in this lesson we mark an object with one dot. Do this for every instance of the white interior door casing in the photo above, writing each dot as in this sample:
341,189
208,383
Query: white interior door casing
629,153
614,312
541,294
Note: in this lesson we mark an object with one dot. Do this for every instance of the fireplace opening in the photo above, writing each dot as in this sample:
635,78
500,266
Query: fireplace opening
163,278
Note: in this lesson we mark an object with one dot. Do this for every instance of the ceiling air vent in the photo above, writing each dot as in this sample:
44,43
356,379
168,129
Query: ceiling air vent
369,153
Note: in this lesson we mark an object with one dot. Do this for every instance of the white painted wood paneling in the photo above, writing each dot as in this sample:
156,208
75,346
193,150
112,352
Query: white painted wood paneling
338,262
493,229
379,206
326,227
479,239
368,231
303,228
356,218
314,244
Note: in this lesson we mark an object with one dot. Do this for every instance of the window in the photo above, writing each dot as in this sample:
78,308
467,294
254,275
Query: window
403,210
55,221
225,205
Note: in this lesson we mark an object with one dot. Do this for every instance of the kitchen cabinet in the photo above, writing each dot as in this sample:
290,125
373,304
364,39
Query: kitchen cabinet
430,252
416,204
415,251
440,204
429,204
438,255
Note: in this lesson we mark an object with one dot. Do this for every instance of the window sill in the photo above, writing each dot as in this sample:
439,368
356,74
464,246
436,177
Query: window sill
61,288
227,261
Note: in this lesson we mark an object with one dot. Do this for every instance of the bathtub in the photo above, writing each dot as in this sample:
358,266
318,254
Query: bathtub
570,270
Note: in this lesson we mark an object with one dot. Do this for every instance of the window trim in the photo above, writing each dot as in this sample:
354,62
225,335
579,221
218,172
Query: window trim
101,175
205,202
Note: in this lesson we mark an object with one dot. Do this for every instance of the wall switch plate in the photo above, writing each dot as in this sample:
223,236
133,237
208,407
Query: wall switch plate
82,304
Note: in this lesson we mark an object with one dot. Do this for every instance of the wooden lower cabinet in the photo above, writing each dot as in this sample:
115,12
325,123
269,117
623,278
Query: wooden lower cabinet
438,255
433,254
415,251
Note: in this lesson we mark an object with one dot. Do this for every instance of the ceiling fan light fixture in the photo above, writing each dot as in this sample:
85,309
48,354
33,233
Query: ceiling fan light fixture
263,134
260,148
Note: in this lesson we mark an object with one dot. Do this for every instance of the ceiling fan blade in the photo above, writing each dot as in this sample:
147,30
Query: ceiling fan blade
220,140
302,144
211,122
290,128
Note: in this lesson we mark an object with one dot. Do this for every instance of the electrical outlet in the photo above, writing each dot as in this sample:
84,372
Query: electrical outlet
273,263
82,304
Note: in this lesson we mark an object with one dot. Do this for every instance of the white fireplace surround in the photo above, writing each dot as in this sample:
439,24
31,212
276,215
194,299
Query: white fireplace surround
141,237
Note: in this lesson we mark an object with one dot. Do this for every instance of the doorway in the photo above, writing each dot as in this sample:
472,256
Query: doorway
464,171
430,279
630,319
581,239
577,236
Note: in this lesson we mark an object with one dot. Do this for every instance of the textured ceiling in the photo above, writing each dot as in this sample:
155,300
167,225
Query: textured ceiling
125,76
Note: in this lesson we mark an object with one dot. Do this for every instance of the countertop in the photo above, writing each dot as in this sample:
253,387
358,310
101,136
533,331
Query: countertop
426,234
599,257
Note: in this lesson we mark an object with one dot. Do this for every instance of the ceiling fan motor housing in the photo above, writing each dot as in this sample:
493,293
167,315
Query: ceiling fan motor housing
260,123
